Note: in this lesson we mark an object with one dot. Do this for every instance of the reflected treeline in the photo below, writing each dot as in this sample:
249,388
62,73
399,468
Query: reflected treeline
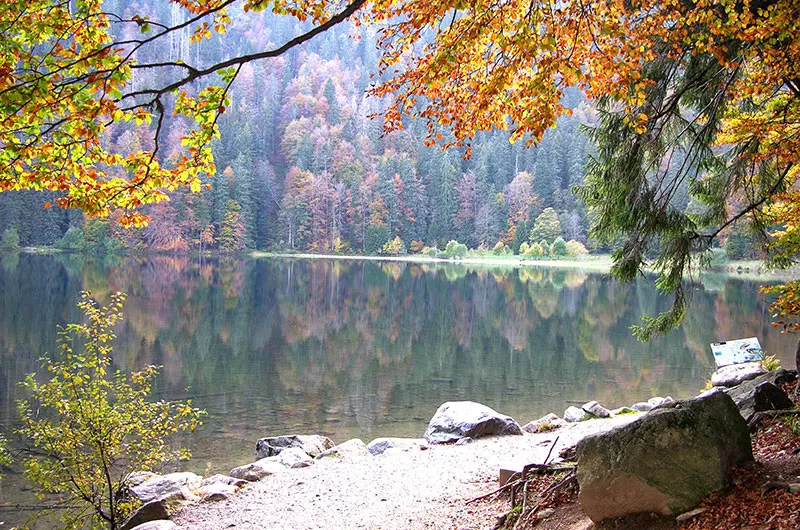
358,348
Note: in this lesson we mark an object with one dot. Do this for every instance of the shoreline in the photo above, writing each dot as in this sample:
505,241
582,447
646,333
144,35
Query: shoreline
600,263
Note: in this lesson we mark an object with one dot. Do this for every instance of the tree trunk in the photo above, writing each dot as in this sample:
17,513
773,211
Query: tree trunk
797,367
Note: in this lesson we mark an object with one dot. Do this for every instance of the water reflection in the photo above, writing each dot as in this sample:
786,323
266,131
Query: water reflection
354,348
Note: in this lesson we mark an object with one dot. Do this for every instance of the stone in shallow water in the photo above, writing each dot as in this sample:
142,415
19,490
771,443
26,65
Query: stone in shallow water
312,444
467,419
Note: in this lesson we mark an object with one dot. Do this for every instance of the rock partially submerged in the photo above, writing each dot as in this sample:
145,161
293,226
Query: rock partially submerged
312,444
664,463
466,419
734,374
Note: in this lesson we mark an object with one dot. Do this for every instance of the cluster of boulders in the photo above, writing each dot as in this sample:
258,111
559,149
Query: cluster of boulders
161,495
591,410
665,462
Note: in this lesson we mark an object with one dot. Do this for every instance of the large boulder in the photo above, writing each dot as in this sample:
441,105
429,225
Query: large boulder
664,463
733,374
461,419
170,487
312,444
151,511
762,393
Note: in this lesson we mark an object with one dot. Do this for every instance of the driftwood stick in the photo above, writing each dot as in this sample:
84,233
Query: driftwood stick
524,502
547,458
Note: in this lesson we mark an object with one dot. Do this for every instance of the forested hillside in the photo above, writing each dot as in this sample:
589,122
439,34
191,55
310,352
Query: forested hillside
301,165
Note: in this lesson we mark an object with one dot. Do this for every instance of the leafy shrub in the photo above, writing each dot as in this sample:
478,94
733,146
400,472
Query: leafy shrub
454,249
545,247
394,247
89,430
534,251
559,247
499,249
771,363
72,240
431,252
575,249
10,239
416,246
523,248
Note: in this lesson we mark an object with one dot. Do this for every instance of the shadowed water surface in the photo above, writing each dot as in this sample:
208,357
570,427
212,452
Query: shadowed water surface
367,349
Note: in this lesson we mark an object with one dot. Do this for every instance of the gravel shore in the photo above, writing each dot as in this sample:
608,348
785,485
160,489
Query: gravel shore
397,490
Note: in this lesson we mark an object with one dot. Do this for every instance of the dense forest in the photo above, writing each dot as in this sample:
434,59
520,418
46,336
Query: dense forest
303,164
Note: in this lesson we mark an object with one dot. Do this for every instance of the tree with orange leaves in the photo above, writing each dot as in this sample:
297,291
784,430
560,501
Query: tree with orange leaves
705,93
65,79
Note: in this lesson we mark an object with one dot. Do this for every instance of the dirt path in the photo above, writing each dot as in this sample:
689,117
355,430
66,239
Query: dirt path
401,490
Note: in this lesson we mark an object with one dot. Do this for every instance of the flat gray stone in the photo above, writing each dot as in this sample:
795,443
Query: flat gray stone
292,456
354,448
544,424
734,374
217,491
258,470
595,409
378,446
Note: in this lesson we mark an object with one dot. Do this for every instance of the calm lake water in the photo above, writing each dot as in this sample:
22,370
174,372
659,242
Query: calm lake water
367,349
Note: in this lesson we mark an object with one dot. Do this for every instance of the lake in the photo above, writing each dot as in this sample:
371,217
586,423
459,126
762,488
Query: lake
367,349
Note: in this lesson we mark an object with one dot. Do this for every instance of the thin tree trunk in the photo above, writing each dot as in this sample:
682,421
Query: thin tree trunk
797,367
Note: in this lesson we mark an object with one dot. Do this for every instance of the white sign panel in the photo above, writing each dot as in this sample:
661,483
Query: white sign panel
737,351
